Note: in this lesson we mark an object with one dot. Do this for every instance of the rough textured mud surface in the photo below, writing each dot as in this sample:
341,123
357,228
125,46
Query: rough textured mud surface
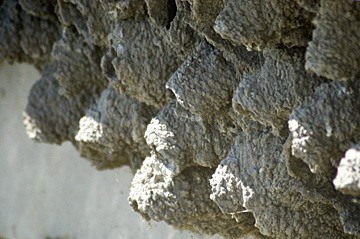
238,118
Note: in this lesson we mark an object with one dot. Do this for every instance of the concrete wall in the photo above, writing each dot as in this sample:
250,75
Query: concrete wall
50,192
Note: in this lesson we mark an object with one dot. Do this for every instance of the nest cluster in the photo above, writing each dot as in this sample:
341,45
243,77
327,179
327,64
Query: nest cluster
237,117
